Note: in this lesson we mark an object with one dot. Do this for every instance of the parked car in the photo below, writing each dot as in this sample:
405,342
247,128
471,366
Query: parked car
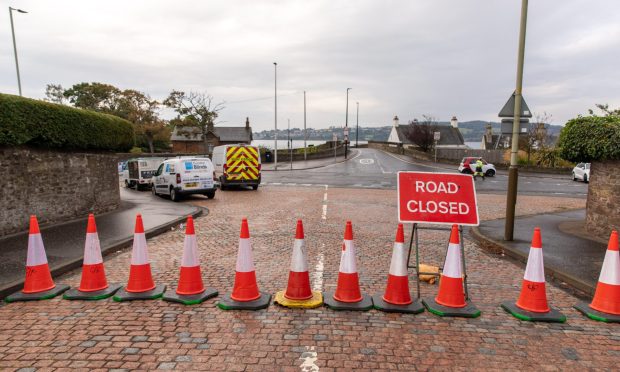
468,166
582,172
140,171
237,165
184,176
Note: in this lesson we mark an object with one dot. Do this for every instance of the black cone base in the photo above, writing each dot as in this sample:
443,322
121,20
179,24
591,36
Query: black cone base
227,303
76,294
364,305
123,295
413,308
597,315
173,296
469,311
45,295
552,316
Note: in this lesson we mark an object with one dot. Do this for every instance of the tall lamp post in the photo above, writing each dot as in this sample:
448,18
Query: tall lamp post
19,82
305,132
513,171
357,125
346,125
275,117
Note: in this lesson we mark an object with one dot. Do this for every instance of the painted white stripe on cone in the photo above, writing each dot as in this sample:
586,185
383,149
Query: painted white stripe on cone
190,252
36,252
535,269
347,259
139,252
92,250
398,266
453,267
245,258
610,272
299,261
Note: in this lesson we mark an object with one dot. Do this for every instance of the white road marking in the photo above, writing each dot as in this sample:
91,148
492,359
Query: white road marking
324,215
275,183
359,153
308,358
366,161
317,275
414,163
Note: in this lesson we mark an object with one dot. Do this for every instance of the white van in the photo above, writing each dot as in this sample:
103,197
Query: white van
139,172
237,165
184,176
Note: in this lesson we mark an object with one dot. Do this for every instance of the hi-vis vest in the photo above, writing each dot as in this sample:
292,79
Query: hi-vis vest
242,163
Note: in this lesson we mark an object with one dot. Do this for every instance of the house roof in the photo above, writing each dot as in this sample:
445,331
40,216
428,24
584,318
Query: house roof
449,136
225,134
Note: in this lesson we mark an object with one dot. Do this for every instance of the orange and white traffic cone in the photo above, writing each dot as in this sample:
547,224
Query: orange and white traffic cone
605,306
93,285
245,294
298,293
397,297
38,284
140,285
190,289
348,295
450,300
532,303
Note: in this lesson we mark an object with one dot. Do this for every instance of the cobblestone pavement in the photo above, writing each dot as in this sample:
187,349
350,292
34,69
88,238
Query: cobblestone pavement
60,334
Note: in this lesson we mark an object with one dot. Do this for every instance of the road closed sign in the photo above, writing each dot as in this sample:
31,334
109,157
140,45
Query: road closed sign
440,198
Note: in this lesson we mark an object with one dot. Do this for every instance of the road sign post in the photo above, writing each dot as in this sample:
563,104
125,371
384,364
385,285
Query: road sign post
436,137
335,139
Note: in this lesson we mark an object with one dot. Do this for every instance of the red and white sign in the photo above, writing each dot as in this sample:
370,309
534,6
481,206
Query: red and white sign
439,198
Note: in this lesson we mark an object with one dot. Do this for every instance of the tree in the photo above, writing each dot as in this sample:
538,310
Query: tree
536,137
143,112
95,96
422,133
606,110
55,93
194,109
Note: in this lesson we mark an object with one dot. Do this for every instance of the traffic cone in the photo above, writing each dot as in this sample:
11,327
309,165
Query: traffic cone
298,293
605,306
140,285
190,289
450,300
245,294
532,303
38,284
93,285
348,295
397,297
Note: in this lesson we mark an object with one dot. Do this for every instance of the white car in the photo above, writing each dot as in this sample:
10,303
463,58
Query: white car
184,176
468,165
582,172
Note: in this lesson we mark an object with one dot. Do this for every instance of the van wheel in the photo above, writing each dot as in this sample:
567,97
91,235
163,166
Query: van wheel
210,194
254,187
585,178
126,184
174,196
222,186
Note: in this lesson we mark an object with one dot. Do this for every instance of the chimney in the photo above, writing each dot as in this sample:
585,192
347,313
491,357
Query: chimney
247,123
454,122
395,120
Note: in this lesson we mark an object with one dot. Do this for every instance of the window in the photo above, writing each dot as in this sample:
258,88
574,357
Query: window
159,170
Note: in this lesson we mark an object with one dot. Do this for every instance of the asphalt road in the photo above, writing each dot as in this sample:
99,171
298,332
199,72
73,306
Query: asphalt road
371,168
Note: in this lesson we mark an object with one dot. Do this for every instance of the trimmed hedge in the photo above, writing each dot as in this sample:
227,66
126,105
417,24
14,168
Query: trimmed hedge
25,121
591,138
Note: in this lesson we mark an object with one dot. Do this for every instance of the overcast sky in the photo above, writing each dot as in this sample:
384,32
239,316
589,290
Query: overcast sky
405,58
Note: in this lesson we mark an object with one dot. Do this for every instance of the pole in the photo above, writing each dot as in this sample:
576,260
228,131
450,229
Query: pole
357,125
305,132
346,125
289,142
435,151
513,172
19,81
275,118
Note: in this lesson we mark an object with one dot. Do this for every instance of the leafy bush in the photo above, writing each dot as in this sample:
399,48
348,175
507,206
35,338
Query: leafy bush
25,121
588,138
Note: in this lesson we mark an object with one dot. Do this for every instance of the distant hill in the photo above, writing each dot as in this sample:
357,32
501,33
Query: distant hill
472,132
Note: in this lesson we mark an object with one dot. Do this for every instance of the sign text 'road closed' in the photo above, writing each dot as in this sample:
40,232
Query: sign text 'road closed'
443,198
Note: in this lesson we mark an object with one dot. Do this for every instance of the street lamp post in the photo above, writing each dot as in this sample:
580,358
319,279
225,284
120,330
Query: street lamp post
305,132
275,117
19,82
346,125
357,124
289,142
513,171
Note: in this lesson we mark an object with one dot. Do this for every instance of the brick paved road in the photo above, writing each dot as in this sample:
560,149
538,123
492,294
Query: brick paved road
60,334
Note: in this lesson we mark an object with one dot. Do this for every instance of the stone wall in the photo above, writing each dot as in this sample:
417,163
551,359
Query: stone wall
55,186
603,205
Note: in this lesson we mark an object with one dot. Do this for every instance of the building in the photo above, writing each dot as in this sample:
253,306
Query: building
492,141
190,140
450,136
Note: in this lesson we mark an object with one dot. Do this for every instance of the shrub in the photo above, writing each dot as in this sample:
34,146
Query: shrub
588,138
25,121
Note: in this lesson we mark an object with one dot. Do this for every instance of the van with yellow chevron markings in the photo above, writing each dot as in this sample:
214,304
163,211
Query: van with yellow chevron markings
237,165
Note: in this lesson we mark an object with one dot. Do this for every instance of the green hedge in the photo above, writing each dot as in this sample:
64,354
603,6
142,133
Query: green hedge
25,121
591,138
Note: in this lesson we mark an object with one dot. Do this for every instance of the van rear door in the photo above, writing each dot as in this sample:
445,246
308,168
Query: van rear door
242,163
197,174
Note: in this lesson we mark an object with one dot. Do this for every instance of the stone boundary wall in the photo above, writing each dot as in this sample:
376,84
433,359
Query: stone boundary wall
603,204
55,186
